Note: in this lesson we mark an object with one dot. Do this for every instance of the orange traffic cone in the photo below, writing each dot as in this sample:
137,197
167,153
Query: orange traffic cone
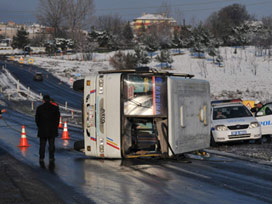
65,132
23,138
60,123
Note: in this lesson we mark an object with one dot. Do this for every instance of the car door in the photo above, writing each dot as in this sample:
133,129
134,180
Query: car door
265,122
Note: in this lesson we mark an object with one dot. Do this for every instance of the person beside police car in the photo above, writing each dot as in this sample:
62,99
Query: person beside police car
47,120
260,108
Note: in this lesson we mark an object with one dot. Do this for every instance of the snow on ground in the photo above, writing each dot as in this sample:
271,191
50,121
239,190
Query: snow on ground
236,78
14,89
243,75
67,66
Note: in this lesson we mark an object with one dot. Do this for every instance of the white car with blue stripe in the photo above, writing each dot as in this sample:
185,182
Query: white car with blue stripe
233,122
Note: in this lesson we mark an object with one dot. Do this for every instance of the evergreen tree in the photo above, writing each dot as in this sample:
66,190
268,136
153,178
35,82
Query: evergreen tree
212,52
50,48
141,56
103,38
244,34
151,43
186,35
202,40
164,57
121,61
127,33
199,40
221,23
219,60
21,39
176,42
212,48
61,43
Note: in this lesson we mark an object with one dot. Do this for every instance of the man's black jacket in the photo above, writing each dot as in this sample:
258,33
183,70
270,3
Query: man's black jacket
47,120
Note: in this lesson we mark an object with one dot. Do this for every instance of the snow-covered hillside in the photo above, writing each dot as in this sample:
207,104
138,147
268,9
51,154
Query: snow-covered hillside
243,75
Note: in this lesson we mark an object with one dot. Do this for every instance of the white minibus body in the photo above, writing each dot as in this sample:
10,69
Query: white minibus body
130,113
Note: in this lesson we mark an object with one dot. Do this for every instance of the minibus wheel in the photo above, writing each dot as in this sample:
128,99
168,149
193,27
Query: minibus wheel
79,145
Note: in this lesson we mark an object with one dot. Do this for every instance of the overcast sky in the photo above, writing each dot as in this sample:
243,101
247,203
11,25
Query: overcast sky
24,11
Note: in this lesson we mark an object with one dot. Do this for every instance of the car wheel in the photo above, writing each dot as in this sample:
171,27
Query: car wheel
79,145
268,138
213,143
259,141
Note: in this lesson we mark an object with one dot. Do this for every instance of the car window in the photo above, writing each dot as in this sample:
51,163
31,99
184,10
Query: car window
230,112
267,109
269,105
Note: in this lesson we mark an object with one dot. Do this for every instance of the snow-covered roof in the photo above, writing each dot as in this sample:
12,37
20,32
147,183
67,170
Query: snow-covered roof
154,17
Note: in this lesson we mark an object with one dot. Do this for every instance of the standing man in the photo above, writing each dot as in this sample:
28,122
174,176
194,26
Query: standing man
2,111
47,120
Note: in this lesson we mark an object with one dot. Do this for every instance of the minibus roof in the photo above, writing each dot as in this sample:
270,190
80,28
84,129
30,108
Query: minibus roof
146,71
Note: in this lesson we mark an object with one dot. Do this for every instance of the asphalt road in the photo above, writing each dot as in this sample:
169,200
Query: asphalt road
75,177
59,91
21,184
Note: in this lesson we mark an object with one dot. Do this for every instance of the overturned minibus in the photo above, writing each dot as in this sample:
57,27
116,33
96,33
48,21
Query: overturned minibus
144,113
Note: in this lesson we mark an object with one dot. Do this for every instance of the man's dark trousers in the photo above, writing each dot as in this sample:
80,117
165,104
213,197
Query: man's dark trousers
51,142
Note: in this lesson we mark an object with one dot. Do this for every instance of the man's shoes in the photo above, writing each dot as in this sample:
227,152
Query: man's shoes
42,165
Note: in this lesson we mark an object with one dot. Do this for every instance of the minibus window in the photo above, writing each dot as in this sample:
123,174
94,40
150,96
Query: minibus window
145,95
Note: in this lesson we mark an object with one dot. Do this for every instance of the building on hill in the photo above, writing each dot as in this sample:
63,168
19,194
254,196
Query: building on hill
9,30
147,20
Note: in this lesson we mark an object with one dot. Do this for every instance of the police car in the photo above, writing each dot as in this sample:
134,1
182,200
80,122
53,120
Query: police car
232,121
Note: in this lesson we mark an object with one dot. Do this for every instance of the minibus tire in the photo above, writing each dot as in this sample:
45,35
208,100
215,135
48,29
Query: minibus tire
212,142
79,145
78,85
268,138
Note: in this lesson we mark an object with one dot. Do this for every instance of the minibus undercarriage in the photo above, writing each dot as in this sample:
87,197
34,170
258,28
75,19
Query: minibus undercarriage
144,136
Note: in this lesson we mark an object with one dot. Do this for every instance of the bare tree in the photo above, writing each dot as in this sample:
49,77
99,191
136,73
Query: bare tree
51,13
267,22
110,23
114,26
77,14
165,9
179,16
254,64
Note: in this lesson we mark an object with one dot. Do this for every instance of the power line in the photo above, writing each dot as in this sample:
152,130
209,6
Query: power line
175,5
187,4
252,4
205,9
